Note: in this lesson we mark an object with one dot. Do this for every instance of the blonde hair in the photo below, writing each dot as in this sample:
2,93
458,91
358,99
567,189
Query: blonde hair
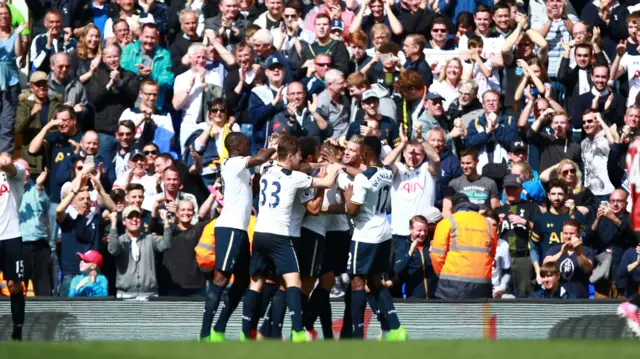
443,73
83,50
577,188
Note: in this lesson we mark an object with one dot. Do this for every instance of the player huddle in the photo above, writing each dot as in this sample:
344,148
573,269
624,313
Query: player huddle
301,235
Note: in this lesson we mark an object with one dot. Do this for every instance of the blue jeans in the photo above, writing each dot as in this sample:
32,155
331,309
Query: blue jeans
107,148
65,285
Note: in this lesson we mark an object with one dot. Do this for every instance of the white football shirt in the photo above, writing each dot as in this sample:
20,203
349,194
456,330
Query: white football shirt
11,190
413,192
236,179
501,262
371,191
279,188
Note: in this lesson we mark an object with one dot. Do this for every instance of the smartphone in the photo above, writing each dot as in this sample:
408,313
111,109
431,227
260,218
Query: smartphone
605,204
386,57
366,123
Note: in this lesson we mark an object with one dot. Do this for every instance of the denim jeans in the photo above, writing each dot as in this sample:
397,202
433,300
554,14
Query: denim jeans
65,285
107,149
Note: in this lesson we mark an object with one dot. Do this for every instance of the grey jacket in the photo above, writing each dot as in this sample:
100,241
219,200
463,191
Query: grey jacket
74,92
137,278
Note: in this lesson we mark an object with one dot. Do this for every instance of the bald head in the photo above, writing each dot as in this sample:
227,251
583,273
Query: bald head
111,57
618,202
90,142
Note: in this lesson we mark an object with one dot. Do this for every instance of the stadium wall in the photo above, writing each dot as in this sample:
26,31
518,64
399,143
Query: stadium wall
179,320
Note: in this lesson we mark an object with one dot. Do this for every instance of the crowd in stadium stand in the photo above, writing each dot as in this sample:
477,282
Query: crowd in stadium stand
525,107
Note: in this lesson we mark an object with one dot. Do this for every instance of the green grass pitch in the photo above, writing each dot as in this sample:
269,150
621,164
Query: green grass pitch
508,349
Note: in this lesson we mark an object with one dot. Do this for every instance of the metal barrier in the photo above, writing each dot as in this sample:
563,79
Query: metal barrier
179,319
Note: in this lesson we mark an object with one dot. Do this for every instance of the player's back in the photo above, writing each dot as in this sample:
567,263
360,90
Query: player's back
237,194
278,191
371,190
11,191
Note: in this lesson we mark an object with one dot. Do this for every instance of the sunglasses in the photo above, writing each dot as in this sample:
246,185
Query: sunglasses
290,16
123,133
323,64
589,121
439,30
217,109
566,172
79,168
147,153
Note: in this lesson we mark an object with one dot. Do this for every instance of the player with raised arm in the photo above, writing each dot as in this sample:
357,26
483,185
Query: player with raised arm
281,200
232,241
629,310
11,260
366,202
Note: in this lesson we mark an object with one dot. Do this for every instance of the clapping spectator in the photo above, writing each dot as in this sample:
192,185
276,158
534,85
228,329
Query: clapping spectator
556,146
135,254
574,258
72,91
122,34
123,10
333,105
88,55
610,18
272,18
380,12
111,90
228,25
595,154
44,46
187,36
578,80
289,36
149,60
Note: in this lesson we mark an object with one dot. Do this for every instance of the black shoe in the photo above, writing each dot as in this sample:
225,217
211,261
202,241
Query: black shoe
17,333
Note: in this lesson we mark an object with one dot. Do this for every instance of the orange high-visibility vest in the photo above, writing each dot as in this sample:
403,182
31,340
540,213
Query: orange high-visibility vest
206,248
462,253
4,287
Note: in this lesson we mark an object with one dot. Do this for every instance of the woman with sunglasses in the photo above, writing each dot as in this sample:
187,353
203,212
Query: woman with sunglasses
208,140
570,172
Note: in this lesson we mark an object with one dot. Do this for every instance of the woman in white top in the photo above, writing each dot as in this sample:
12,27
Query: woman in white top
447,84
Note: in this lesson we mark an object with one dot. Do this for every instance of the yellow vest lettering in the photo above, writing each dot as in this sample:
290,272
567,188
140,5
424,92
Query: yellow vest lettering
59,157
554,238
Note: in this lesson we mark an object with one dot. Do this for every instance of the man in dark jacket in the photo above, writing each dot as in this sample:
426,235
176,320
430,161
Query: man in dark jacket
188,35
111,91
612,21
228,25
577,80
324,44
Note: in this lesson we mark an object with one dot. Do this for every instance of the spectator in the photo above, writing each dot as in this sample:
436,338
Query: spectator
324,44
449,164
414,17
357,42
447,84
125,149
413,48
578,80
191,91
135,254
81,230
148,60
601,98
413,190
88,56
380,12
466,106
501,271
413,91
137,174
228,24
357,83
187,36
556,28
52,42
37,252
480,190
492,133
440,47
546,233
272,18
89,283
123,10
189,176
626,62
146,115
532,189
35,110
436,117
332,9
73,93
123,35
239,83
289,36
173,192
386,71
87,12
551,288
180,275
553,147
58,146
629,271
314,81
333,105
595,153
302,118
611,19
570,172
388,128
209,139
415,272
111,90
610,236
12,47
516,219
463,262
479,68
576,260
262,43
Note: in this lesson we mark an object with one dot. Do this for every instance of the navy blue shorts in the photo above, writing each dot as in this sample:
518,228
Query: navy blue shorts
368,258
273,253
11,259
336,252
310,251
232,250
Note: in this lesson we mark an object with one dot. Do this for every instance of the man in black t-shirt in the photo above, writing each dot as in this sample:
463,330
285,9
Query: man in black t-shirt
516,221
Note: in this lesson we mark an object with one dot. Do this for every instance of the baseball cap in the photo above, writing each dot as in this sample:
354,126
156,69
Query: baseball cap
433,215
512,181
369,94
129,210
337,25
273,61
37,77
459,198
136,153
434,96
117,193
91,256
518,146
